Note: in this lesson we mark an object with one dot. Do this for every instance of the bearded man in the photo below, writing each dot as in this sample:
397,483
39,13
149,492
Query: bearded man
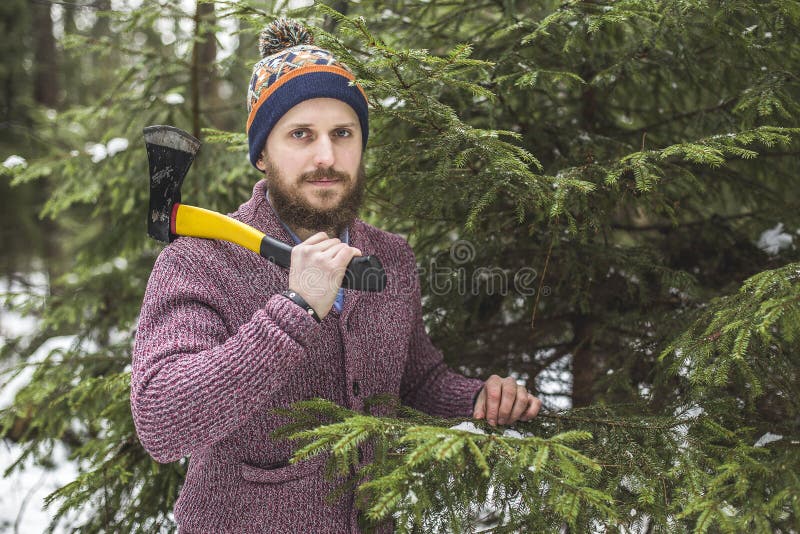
224,336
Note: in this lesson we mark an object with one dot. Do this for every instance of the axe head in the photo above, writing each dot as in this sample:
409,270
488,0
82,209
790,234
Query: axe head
170,152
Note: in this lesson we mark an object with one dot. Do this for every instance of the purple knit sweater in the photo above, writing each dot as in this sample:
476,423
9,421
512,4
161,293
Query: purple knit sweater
217,347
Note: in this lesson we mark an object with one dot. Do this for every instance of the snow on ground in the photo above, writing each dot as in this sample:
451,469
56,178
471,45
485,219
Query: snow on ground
22,492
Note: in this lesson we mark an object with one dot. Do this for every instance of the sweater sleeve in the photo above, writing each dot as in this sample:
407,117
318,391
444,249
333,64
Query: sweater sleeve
191,383
428,384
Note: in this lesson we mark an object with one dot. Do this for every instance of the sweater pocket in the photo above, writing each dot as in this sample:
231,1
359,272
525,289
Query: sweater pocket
280,472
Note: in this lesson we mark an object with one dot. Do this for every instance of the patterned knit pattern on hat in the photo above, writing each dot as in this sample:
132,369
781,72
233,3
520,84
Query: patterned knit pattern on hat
292,70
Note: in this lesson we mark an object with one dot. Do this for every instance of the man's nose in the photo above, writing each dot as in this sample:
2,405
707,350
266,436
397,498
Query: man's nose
323,153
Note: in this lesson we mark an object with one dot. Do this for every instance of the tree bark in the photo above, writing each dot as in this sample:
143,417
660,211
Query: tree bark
204,54
46,84
14,79
584,365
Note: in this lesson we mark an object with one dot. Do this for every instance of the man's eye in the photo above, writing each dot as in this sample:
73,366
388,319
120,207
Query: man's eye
343,133
299,134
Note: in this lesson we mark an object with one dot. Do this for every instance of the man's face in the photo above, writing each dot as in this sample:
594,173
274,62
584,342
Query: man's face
312,163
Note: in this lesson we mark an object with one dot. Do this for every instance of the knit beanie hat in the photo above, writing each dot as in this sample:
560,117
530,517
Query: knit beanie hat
292,70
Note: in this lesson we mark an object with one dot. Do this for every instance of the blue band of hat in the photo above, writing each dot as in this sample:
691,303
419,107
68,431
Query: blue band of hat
297,90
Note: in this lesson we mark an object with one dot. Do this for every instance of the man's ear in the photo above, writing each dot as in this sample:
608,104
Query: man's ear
260,165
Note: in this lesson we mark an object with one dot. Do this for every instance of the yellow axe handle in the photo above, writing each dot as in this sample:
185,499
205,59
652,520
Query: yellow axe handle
191,221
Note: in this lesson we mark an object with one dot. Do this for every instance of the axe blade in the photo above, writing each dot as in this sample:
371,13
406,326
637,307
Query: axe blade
170,152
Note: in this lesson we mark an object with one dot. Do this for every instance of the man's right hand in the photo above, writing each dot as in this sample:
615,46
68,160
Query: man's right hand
317,268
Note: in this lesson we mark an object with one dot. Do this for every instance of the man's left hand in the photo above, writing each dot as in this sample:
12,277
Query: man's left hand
504,401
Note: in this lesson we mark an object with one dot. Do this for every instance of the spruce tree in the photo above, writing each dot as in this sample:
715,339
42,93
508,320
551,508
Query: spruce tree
588,188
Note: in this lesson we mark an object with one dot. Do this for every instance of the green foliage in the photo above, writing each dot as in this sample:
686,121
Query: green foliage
623,156
634,472
430,476
746,341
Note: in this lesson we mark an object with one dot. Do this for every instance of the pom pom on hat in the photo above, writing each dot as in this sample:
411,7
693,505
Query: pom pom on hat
282,34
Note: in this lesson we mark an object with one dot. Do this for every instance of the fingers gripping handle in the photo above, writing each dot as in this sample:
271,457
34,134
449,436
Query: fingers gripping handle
364,273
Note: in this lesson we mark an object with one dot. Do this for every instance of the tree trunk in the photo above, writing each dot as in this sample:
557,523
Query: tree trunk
584,365
204,55
15,23
45,63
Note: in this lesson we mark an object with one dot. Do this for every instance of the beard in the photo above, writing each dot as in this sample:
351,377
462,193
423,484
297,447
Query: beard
296,212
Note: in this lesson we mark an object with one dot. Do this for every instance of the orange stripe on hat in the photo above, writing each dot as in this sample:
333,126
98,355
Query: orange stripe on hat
293,74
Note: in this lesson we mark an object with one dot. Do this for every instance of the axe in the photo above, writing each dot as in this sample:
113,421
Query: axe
170,152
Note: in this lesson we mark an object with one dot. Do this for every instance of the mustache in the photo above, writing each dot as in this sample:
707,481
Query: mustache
319,174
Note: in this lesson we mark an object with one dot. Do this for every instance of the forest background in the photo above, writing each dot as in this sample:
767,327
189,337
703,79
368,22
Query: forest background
602,196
